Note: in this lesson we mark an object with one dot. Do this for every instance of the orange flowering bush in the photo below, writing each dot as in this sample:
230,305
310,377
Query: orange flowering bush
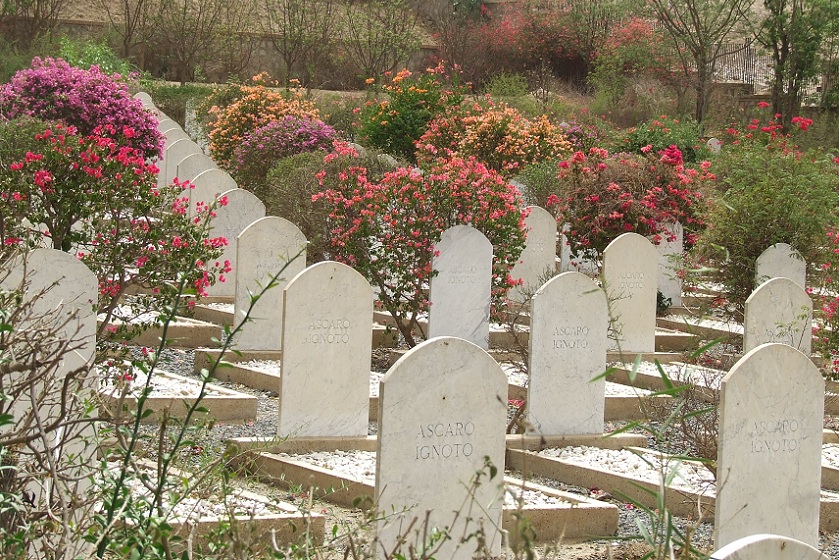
395,124
495,134
255,107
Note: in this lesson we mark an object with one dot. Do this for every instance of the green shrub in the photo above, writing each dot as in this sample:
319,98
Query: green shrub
89,53
288,189
507,85
540,182
767,195
172,98
661,133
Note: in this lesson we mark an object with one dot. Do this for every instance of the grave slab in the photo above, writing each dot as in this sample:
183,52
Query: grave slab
428,454
779,310
569,327
538,259
327,319
768,547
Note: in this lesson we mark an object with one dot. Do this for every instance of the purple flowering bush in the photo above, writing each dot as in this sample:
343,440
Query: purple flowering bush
583,137
85,99
264,147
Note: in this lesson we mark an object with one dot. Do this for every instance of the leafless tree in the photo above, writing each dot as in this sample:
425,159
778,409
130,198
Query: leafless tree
26,21
699,28
302,31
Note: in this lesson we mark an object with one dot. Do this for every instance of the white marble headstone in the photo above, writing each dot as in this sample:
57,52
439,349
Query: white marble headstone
442,410
60,287
770,444
781,260
630,275
569,322
670,263
61,294
175,152
538,259
327,342
242,209
193,165
206,186
779,310
768,547
460,291
714,144
264,248
144,98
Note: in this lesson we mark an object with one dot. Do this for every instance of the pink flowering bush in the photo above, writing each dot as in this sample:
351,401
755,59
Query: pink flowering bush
100,200
658,134
85,99
495,134
601,196
261,149
387,229
825,296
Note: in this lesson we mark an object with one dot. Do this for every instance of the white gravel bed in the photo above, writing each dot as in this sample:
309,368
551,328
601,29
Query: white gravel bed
691,476
515,495
735,328
361,465
212,506
226,307
620,390
267,366
113,381
686,373
127,314
830,455
516,375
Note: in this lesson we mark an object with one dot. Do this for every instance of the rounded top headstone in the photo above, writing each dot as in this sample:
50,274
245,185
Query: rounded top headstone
768,547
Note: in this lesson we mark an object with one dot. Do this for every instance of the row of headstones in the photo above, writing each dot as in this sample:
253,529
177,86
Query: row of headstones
442,415
770,407
327,311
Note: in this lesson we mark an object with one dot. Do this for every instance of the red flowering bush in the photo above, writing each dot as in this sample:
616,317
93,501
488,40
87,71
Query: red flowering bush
493,133
253,107
100,200
602,196
413,100
387,229
85,99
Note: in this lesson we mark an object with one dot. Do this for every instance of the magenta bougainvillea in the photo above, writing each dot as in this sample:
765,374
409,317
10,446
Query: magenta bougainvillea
51,89
261,149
